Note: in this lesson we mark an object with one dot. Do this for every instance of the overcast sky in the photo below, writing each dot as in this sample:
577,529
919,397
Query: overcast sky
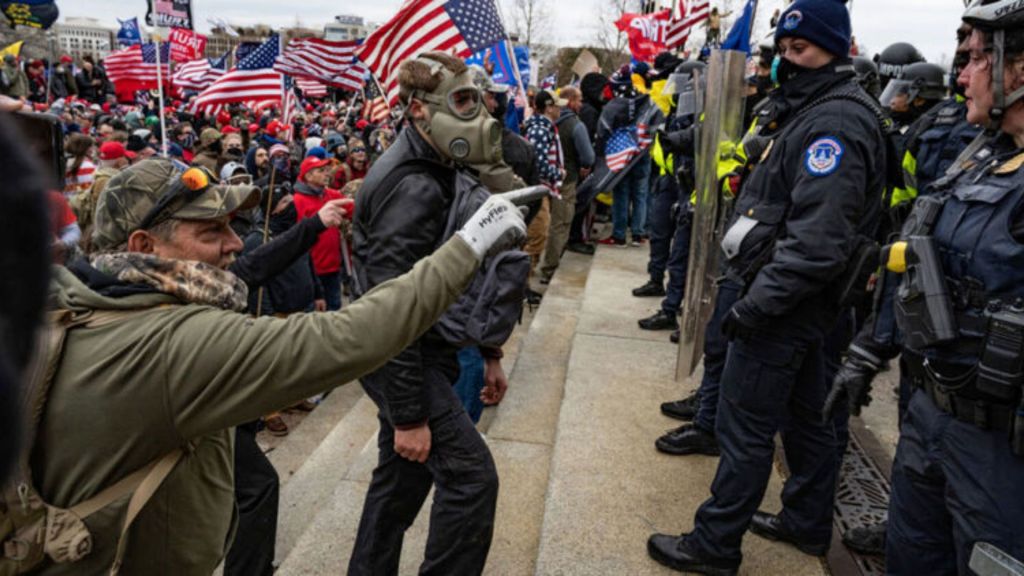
928,24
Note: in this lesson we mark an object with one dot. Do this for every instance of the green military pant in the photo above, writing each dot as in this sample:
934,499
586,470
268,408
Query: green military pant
562,212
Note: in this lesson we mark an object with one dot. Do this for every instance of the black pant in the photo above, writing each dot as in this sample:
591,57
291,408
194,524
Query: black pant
462,471
256,493
770,385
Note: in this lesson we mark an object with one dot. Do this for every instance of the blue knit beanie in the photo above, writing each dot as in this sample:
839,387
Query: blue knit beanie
825,23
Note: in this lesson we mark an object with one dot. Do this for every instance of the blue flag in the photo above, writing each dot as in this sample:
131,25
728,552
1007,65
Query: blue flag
739,35
129,32
498,55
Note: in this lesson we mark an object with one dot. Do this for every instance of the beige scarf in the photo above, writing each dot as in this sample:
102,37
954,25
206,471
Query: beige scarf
187,280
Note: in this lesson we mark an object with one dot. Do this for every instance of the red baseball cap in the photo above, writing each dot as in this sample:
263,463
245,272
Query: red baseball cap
311,163
223,118
361,123
254,128
229,129
274,127
66,59
114,150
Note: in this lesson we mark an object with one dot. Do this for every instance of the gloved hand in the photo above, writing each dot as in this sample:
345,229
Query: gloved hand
852,382
495,227
738,322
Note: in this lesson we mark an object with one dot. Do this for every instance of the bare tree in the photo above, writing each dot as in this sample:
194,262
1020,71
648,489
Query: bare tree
531,21
608,36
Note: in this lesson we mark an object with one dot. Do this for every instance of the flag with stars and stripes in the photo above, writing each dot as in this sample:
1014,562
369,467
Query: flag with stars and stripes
621,147
678,30
317,59
311,88
289,108
198,74
134,68
458,27
253,79
354,78
375,109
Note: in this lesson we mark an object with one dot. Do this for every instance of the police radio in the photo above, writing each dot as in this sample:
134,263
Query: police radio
1001,368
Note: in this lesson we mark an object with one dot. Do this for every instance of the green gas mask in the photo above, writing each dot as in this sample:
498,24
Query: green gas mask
459,124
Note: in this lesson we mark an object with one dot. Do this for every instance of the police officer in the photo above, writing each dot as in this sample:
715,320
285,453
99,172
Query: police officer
796,225
670,215
960,460
894,59
867,76
922,86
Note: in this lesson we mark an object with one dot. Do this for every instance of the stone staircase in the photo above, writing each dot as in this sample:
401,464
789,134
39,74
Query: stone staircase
581,484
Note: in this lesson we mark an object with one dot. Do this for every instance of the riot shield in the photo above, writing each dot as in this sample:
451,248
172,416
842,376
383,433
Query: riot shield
719,132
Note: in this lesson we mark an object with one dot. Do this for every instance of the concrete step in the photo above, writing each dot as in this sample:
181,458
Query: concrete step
290,453
313,484
609,488
535,359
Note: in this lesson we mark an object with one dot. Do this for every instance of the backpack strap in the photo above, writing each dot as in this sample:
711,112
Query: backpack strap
30,515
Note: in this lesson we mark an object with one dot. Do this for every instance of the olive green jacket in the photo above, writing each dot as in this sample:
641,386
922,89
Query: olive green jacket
129,391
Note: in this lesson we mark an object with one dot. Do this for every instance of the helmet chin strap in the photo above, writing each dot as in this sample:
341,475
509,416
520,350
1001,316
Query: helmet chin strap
1001,101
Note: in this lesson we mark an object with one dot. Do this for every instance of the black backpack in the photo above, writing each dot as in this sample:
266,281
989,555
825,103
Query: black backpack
492,304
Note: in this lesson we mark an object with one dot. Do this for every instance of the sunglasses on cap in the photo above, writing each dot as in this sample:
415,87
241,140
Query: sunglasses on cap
185,188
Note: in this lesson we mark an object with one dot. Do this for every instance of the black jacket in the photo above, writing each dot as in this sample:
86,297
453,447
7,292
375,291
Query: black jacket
818,187
592,87
518,154
86,91
392,230
294,288
262,263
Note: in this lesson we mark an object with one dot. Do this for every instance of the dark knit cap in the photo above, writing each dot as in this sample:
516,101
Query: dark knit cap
825,23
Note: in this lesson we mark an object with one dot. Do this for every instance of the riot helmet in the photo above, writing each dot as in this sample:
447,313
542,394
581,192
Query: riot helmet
894,59
1003,22
920,80
867,76
686,86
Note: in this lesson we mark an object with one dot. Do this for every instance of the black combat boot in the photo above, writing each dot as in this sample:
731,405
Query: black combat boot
685,409
661,320
650,289
770,526
677,554
688,439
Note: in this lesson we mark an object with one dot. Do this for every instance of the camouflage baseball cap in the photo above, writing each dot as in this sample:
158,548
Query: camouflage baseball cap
130,197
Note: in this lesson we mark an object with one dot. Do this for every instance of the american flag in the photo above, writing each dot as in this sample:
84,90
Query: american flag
314,58
290,108
199,74
459,27
134,68
621,148
354,78
254,79
548,82
311,88
375,109
678,30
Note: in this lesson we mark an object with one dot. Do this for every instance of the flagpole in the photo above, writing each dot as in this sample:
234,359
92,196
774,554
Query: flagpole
160,97
519,78
383,94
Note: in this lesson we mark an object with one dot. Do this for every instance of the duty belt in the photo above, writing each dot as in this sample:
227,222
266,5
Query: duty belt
962,402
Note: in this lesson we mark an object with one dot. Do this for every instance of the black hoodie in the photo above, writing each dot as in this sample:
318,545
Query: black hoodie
592,86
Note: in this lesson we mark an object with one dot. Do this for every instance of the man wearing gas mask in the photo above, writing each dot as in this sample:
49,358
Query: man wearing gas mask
426,438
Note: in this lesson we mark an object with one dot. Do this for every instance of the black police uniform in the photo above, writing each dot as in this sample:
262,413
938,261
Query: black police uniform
815,189
956,479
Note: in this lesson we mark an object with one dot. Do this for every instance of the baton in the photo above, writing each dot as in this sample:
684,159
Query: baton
524,196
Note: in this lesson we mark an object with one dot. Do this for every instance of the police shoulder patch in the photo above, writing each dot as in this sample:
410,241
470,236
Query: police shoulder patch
823,156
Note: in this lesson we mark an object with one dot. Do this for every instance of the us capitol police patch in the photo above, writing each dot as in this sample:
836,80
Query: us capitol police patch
823,156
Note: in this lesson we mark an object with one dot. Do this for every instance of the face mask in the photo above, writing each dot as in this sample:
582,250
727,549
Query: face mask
284,219
234,153
459,124
786,71
216,147
280,163
187,140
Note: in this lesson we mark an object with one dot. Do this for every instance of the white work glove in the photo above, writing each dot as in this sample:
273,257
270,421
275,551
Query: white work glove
496,226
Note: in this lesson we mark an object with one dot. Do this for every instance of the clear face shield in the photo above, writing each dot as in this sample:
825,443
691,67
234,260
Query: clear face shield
899,94
689,92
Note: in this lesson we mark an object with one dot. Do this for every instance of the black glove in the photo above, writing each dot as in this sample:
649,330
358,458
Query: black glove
852,382
737,322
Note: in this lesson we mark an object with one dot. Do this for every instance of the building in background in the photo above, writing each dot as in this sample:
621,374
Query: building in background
347,27
79,36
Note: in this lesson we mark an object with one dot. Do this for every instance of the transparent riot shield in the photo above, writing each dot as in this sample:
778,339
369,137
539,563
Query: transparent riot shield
720,131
